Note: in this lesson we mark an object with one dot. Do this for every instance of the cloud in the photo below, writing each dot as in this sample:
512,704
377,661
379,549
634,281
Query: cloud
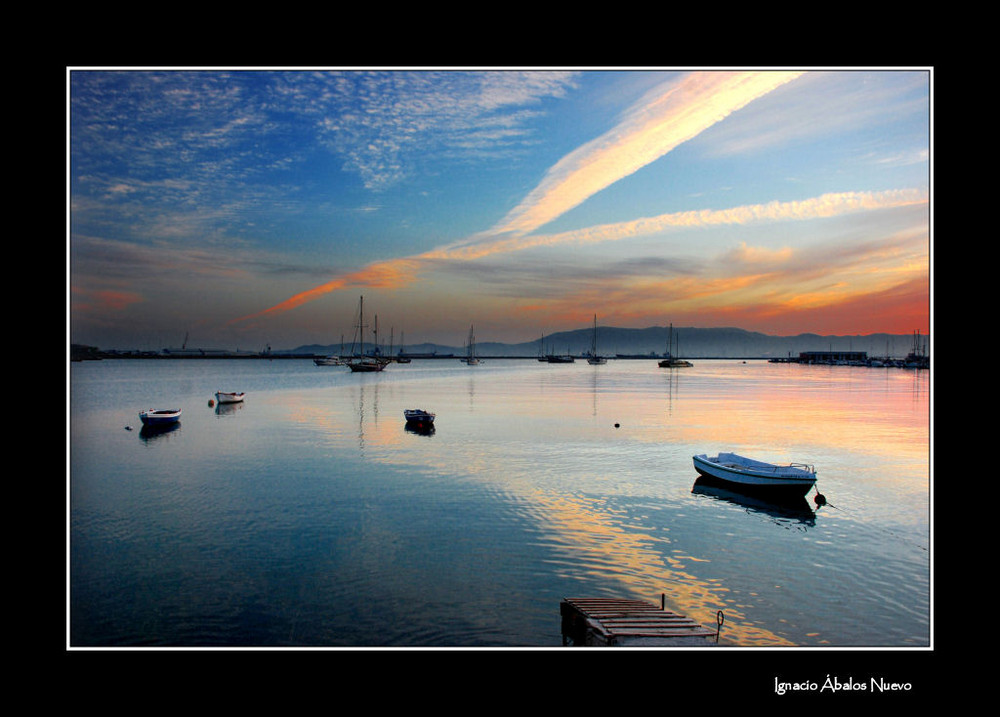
396,273
103,300
379,122
666,117
824,206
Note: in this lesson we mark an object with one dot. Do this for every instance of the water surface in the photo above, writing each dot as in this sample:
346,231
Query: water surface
311,516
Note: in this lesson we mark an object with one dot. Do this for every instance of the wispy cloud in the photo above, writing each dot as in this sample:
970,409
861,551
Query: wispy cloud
664,118
179,138
825,206
400,272
379,122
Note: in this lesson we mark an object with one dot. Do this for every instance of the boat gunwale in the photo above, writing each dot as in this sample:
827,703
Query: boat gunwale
799,476
419,416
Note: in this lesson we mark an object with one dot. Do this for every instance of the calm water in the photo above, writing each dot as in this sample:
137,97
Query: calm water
310,516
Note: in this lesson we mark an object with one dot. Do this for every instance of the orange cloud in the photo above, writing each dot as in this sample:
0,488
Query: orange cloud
391,274
104,299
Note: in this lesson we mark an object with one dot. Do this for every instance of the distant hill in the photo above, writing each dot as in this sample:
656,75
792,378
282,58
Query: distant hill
689,342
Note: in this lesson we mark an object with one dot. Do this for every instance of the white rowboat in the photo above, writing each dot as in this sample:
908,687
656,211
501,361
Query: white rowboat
160,417
747,473
224,397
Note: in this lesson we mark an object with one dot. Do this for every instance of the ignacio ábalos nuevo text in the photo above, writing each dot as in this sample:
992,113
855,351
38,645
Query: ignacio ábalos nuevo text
875,685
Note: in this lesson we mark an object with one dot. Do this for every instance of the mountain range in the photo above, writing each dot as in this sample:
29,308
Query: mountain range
687,342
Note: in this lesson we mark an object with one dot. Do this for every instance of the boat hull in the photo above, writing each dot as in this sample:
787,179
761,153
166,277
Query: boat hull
160,417
418,417
366,366
756,476
223,397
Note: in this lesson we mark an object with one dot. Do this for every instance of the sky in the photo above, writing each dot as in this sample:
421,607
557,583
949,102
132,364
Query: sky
240,208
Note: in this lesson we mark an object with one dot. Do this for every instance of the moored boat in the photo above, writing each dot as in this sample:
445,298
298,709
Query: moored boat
470,349
418,417
373,361
669,359
747,473
229,397
593,359
367,364
160,416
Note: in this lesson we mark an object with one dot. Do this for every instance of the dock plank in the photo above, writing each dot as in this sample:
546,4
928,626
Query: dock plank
619,621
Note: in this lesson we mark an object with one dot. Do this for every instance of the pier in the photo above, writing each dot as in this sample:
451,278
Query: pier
618,622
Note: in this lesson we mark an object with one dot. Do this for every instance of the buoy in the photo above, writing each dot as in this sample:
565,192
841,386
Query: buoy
617,425
820,499
211,403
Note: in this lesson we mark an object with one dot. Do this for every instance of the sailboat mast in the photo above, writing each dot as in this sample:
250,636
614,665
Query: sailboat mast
360,331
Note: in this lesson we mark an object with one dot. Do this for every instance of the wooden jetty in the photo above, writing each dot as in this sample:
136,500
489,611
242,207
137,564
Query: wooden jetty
618,622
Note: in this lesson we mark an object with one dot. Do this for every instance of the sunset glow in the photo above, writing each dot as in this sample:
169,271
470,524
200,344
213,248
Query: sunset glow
257,205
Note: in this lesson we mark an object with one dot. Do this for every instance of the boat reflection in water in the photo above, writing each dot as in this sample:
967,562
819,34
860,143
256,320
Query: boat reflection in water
794,509
228,409
421,429
153,431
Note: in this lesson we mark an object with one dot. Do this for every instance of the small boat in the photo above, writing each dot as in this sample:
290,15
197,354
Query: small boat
669,360
418,417
594,359
332,359
470,350
367,364
160,416
226,397
373,361
400,357
747,473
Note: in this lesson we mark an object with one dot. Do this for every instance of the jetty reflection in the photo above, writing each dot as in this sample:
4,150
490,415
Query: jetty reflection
794,510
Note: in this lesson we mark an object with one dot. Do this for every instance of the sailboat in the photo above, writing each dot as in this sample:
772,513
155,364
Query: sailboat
470,350
359,363
594,359
555,358
565,358
333,360
400,358
670,361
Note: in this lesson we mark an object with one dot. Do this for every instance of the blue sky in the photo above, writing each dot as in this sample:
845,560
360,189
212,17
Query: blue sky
252,207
